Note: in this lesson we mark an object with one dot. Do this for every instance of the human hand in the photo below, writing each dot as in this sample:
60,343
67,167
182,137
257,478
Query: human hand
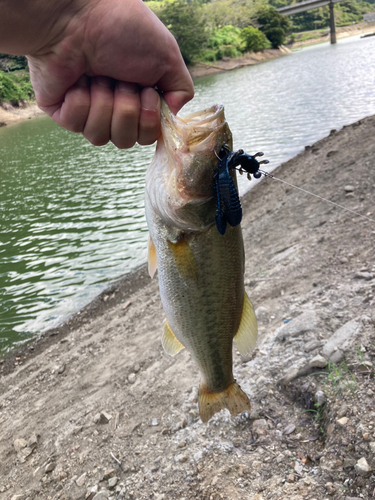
96,71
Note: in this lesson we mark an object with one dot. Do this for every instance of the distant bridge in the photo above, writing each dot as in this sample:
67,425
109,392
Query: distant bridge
313,4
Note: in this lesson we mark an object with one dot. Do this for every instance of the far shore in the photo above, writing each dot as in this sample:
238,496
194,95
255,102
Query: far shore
10,115
200,69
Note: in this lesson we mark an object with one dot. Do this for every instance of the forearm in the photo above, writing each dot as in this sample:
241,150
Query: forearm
26,26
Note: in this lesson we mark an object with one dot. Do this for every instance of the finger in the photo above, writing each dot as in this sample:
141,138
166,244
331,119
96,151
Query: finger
176,83
149,119
126,111
98,125
176,100
75,109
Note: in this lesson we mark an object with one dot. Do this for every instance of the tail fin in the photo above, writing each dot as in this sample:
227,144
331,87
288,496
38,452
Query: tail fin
233,398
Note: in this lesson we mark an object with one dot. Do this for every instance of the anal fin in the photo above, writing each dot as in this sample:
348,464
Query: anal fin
151,257
233,398
247,332
170,342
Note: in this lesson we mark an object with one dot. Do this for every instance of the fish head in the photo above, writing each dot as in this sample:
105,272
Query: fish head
180,179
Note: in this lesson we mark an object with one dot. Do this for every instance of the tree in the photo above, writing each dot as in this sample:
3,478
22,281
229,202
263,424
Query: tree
186,24
254,39
220,13
12,63
15,87
273,24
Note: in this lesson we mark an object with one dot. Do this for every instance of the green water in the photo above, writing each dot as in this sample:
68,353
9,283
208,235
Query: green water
71,220
72,215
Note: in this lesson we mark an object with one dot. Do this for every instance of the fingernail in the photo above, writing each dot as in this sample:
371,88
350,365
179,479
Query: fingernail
128,88
149,99
103,81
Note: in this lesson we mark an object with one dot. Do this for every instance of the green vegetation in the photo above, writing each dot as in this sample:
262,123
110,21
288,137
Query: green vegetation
15,86
254,39
12,63
209,31
337,379
219,13
231,41
346,13
187,25
14,79
274,25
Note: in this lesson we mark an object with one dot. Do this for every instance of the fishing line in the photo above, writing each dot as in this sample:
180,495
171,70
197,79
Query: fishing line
266,174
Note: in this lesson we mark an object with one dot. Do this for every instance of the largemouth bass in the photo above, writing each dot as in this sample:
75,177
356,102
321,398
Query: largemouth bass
201,272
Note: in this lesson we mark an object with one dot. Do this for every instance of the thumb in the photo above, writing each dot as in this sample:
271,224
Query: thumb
177,87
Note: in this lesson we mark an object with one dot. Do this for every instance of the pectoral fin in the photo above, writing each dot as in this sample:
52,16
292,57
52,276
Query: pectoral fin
247,332
170,342
151,257
184,259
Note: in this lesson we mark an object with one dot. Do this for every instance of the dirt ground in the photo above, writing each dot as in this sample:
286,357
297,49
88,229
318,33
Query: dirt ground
14,114
96,410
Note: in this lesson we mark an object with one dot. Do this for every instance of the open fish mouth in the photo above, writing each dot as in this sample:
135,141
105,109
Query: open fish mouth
182,170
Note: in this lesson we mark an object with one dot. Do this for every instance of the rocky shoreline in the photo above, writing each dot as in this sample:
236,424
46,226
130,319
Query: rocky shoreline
10,115
95,410
200,69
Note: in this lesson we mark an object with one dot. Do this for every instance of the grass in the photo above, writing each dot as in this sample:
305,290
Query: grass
359,352
310,35
337,378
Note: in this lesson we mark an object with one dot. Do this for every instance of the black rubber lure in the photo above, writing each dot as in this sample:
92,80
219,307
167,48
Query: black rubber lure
228,206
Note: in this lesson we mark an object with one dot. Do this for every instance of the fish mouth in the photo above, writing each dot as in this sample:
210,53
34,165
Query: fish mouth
180,179
190,134
202,125
192,143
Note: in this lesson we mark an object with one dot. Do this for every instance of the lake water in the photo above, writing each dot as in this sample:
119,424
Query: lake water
72,216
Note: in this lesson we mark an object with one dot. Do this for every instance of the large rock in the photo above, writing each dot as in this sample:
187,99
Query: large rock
318,362
337,343
305,322
362,468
